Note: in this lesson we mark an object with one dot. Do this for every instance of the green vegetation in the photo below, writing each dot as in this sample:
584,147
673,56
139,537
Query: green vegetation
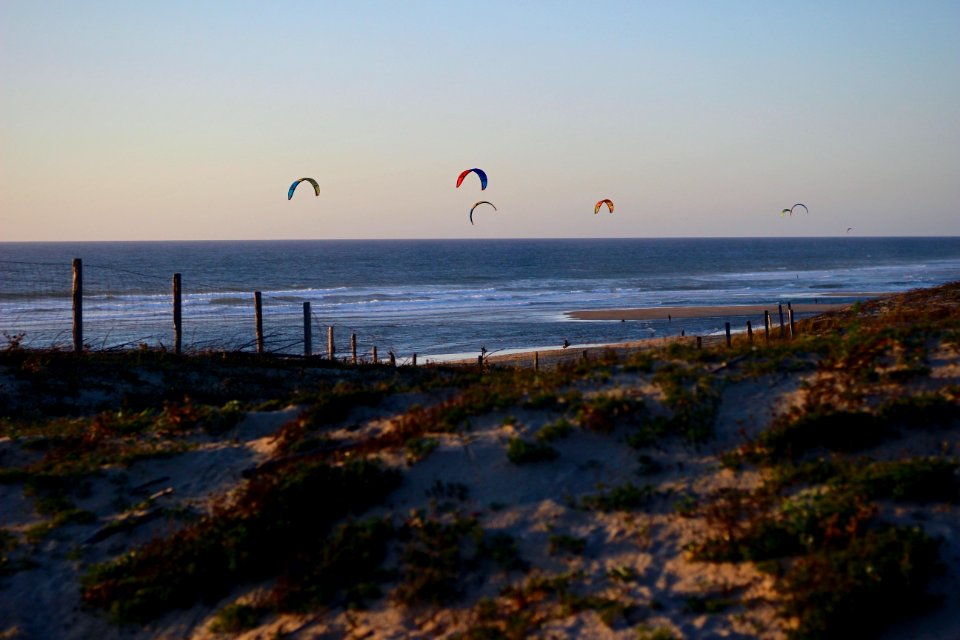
438,553
236,618
272,521
623,498
520,451
601,412
523,609
825,474
554,431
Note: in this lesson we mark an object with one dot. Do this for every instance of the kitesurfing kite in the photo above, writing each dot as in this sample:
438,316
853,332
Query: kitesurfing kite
316,187
606,201
479,172
477,205
790,210
849,229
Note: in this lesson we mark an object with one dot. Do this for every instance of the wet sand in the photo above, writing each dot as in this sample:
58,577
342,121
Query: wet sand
663,313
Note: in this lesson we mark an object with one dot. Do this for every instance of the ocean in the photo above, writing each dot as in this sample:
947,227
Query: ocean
437,298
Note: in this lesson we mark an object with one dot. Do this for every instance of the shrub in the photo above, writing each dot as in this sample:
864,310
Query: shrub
600,412
857,590
554,431
349,562
434,558
273,520
520,451
623,498
236,618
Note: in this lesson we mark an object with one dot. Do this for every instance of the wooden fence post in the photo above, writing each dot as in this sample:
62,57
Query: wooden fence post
331,349
374,355
353,347
414,359
258,318
307,331
480,362
536,361
393,359
77,305
749,332
782,328
766,325
793,325
177,315
699,342
726,329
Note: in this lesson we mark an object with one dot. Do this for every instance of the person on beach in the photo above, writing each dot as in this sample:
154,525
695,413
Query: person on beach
566,343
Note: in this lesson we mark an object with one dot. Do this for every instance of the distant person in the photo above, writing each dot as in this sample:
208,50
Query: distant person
566,343
669,318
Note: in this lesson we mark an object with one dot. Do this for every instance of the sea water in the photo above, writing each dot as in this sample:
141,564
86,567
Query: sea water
435,297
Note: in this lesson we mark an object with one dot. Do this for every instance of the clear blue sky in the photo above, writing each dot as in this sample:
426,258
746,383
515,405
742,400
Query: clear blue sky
189,120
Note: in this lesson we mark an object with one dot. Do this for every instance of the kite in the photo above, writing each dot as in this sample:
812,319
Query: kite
790,210
316,187
477,205
479,172
606,201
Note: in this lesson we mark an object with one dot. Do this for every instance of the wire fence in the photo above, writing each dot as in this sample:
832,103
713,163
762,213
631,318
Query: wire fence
124,309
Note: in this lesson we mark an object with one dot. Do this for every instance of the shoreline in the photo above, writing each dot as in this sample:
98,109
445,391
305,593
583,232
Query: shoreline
688,312
551,355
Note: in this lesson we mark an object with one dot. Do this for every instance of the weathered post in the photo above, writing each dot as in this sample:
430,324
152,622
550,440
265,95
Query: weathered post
536,361
258,318
374,354
749,332
414,359
726,329
77,305
766,325
782,328
307,331
699,342
331,350
793,325
393,359
480,362
177,315
353,348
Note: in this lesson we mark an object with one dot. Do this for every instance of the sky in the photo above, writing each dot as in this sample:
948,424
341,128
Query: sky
189,120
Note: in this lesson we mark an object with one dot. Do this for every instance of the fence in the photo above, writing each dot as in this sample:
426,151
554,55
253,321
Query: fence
83,307
109,308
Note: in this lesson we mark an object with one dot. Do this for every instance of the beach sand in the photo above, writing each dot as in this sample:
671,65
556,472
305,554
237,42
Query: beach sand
551,356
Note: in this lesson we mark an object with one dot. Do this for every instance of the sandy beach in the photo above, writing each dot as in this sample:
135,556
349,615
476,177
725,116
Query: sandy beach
718,311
